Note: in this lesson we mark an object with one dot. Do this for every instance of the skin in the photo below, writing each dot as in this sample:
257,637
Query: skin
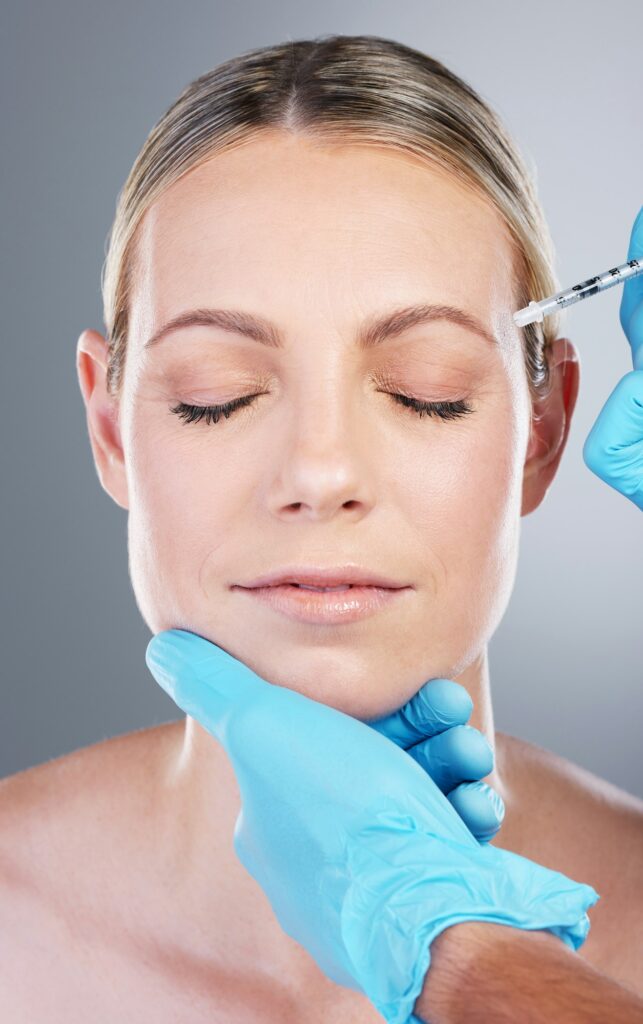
324,468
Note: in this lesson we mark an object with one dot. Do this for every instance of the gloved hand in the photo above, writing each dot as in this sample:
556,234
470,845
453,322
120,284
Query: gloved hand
613,448
362,857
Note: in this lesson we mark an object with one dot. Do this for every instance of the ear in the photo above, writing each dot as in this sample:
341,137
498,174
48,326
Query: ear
102,415
550,424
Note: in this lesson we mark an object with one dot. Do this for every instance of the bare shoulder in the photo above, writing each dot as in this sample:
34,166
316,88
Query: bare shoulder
575,822
575,812
56,788
66,812
67,844
560,770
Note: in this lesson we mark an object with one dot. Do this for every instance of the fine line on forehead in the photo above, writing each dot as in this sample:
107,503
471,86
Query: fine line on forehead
373,332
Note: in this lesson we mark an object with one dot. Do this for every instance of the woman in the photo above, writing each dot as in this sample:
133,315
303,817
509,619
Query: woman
325,240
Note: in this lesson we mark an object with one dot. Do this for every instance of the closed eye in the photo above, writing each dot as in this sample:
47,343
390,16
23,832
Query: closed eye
213,413
445,410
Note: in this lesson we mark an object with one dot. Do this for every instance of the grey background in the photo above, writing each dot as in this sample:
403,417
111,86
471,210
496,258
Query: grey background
82,85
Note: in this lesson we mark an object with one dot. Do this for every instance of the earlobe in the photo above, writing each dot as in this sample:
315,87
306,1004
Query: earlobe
102,415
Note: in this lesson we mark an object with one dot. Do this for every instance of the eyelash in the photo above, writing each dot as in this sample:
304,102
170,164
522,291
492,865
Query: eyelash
213,413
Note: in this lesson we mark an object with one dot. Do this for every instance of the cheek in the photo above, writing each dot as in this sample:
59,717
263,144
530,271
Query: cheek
463,483
179,515
485,525
465,504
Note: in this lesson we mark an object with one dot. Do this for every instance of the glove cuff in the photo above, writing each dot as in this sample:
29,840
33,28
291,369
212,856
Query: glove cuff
411,896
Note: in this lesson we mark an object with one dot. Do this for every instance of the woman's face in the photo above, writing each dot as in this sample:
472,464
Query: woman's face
325,467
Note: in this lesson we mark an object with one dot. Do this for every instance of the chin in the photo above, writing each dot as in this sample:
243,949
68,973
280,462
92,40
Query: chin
363,706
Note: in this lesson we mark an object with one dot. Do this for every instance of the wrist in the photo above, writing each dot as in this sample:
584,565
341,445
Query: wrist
462,956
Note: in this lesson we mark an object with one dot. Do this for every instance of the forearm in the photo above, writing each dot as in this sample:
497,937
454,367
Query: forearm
483,972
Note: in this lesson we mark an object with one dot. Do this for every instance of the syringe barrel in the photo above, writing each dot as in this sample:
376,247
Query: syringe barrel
592,285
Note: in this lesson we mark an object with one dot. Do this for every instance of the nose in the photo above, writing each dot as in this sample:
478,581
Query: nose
325,470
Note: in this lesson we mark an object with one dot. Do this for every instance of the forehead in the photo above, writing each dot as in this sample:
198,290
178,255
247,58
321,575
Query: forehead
287,225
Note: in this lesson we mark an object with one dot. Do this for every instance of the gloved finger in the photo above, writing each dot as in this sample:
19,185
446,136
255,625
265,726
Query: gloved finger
631,310
438,705
459,754
480,807
613,449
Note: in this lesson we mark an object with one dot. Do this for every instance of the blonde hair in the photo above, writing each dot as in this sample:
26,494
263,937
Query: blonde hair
336,88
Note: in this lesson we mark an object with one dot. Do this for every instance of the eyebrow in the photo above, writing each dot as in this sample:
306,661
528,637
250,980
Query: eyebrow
372,333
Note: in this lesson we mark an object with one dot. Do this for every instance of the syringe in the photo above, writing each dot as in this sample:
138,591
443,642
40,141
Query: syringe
535,312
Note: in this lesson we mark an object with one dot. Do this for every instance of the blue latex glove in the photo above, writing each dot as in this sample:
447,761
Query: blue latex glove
362,857
453,751
613,449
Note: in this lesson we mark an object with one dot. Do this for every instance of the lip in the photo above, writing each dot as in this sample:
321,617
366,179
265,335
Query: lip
320,576
340,607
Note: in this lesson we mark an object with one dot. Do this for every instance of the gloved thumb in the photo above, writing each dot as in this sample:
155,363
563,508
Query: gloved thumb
204,680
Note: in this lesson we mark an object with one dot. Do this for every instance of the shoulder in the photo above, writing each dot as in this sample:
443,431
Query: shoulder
573,821
552,777
69,833
67,811
571,808
72,775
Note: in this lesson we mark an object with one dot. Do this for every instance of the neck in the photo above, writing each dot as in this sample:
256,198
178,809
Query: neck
475,679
